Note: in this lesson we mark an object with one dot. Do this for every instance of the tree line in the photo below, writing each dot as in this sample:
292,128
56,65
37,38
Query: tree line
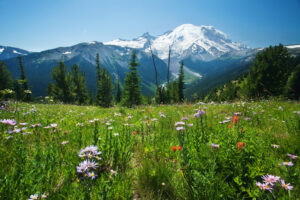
18,89
69,86
274,73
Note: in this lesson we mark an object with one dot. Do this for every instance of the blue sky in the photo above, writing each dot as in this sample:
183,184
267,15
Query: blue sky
43,24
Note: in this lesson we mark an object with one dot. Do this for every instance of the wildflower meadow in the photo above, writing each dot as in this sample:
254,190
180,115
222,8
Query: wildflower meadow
242,150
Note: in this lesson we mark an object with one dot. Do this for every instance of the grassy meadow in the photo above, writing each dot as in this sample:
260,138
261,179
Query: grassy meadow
189,151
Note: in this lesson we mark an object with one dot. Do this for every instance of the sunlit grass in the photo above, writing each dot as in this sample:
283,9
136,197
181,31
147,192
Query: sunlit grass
220,156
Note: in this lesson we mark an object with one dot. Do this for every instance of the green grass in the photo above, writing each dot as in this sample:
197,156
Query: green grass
141,153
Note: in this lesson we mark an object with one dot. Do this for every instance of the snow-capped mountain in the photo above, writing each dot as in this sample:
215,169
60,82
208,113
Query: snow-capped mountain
201,42
11,52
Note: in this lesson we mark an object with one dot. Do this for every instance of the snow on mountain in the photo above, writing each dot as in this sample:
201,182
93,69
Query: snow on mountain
293,46
67,53
202,42
7,52
16,52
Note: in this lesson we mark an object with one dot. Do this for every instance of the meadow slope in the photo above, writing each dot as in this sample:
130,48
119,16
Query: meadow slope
189,151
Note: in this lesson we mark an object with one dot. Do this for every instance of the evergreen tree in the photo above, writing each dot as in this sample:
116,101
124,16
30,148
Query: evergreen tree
119,93
104,85
51,91
18,88
104,90
132,91
63,83
293,84
174,92
269,73
6,81
25,92
98,67
80,86
91,98
181,83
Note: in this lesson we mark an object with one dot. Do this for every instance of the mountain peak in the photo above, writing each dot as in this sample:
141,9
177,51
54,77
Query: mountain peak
203,42
147,35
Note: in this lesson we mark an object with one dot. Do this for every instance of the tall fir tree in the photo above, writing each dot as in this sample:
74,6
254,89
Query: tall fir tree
91,98
98,69
25,92
104,85
181,83
79,84
51,90
6,81
268,74
63,83
105,88
292,89
119,93
132,92
174,92
98,66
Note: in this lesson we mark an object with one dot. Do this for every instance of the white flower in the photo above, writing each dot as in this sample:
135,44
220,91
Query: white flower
113,172
65,142
34,197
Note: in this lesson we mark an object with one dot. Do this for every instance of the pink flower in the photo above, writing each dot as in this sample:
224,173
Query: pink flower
260,185
10,122
180,128
199,113
270,179
292,156
286,186
264,186
179,124
214,145
268,187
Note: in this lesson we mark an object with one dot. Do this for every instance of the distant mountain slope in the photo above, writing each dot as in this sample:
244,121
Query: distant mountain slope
11,52
233,66
115,59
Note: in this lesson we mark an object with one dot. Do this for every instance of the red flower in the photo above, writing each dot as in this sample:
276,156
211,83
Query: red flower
242,130
240,145
179,147
235,120
133,133
229,126
174,148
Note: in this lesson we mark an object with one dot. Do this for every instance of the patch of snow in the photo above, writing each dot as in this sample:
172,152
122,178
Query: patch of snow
137,44
14,51
1,50
293,46
92,42
67,53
